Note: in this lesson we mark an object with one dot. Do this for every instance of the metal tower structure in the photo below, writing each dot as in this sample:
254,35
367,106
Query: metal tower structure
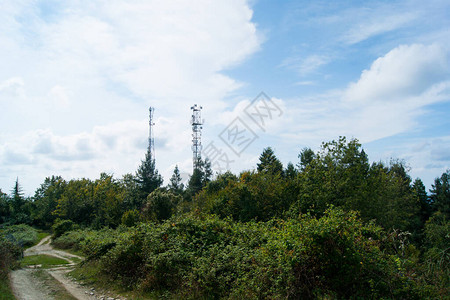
151,140
197,126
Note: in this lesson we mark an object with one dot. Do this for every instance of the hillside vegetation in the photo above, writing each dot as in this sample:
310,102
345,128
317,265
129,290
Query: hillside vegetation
332,226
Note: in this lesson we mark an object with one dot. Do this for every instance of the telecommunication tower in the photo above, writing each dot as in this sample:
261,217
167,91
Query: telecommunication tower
197,126
151,140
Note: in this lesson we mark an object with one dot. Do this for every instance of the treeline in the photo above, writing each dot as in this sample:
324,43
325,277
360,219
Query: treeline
410,224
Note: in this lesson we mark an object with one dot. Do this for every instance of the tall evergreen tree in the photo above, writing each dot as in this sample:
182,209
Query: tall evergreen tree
440,194
269,163
17,197
147,177
175,184
201,175
290,171
421,194
207,171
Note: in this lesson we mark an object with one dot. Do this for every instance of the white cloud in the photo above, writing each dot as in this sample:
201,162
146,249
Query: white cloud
385,101
79,73
375,22
405,71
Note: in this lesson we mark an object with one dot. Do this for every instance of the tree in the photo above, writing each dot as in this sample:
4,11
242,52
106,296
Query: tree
5,212
201,176
269,163
160,205
147,177
290,171
46,199
17,198
196,181
440,194
175,184
306,156
131,198
21,209
421,194
207,172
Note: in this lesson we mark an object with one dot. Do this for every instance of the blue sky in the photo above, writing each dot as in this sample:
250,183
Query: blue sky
77,78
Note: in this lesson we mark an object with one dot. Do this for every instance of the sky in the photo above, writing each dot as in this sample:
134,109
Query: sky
77,79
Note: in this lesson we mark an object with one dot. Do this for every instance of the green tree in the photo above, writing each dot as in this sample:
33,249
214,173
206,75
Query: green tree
290,171
147,177
201,176
207,171
76,203
17,198
21,208
131,193
5,212
107,200
46,200
160,205
440,194
306,156
336,175
175,184
269,163
421,194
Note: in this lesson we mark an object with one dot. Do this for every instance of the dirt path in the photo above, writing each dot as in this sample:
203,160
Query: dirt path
28,283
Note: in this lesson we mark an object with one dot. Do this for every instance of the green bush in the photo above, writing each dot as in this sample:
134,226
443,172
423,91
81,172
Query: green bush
23,235
97,243
130,218
9,253
62,226
335,256
70,240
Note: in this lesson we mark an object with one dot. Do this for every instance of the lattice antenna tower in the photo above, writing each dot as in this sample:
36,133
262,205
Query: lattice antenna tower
197,126
151,140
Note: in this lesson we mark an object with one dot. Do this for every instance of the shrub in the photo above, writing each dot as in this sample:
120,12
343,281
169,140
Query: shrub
130,218
70,240
22,235
190,256
62,226
98,243
9,252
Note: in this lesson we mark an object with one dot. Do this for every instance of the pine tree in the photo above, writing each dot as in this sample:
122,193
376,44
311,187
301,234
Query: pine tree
440,194
421,194
17,198
290,171
175,184
201,175
269,163
147,177
207,172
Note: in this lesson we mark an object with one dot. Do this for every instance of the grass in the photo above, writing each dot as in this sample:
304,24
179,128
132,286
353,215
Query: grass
40,236
5,289
46,261
72,251
57,290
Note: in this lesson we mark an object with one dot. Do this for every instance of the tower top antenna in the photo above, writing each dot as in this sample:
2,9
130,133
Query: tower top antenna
197,126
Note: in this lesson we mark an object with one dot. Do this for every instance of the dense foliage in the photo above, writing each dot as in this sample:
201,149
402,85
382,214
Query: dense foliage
332,226
12,240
